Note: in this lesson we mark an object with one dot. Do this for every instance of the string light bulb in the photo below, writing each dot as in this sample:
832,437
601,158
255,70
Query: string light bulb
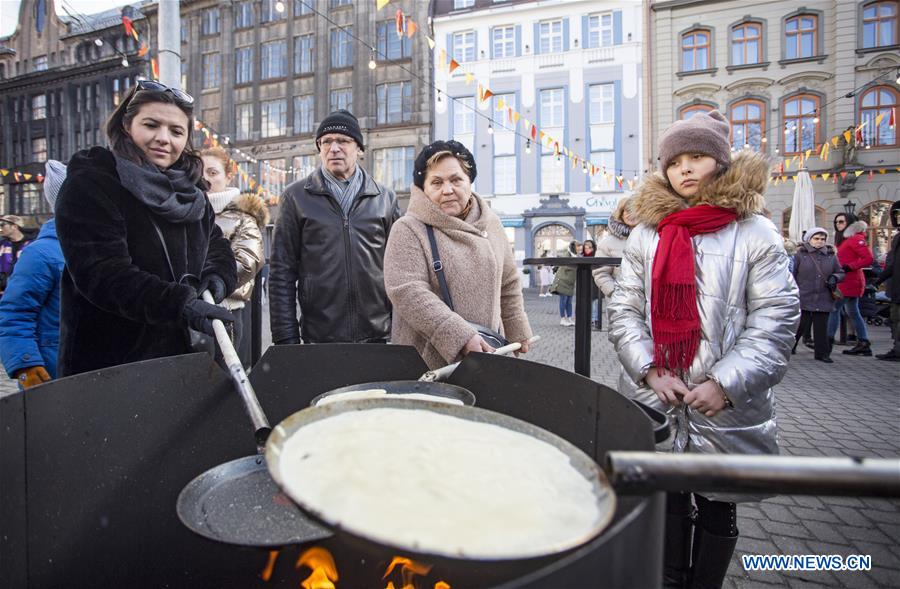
124,62
279,6
490,129
528,146
372,63
764,140
98,42
583,168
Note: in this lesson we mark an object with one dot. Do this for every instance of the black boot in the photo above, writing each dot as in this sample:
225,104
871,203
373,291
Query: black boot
862,348
677,550
711,557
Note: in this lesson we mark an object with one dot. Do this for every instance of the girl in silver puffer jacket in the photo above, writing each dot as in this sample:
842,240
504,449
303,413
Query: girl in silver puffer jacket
703,321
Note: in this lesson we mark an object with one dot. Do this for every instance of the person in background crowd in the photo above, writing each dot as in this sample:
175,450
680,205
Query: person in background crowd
817,271
564,285
328,250
853,254
700,333
479,271
611,245
841,221
546,273
891,276
29,312
11,246
589,250
242,219
139,238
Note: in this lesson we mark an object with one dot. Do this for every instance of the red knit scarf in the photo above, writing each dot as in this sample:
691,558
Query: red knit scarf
673,308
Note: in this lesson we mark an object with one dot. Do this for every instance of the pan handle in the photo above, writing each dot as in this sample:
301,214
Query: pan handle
261,427
444,372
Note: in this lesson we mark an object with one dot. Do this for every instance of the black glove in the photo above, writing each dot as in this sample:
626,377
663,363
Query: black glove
215,285
199,315
831,281
845,268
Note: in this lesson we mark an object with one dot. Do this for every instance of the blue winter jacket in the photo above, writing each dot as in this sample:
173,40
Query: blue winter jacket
29,309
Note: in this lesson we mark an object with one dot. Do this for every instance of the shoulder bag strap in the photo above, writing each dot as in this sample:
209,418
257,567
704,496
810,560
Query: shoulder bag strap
162,240
438,267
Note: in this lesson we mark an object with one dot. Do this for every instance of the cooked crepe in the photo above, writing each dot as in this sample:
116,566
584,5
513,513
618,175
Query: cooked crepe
440,484
380,393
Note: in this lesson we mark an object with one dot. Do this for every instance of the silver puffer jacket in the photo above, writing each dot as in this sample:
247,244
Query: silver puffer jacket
749,310
242,223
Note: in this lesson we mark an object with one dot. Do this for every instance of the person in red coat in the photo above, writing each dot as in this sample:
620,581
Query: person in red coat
853,255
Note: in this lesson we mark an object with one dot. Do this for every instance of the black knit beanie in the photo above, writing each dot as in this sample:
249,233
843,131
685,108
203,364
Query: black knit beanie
454,147
341,121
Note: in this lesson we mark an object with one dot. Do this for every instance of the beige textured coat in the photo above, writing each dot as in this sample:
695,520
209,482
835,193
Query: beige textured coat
242,223
480,271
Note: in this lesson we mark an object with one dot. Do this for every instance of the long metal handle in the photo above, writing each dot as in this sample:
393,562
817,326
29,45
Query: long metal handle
261,426
640,472
444,372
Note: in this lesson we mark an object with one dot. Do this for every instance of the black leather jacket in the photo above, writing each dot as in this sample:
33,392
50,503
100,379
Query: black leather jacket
332,265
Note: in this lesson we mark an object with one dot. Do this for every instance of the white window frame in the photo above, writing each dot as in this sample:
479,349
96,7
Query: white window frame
600,30
278,126
464,46
503,41
550,40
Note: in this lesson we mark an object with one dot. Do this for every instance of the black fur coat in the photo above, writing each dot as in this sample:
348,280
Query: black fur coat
119,302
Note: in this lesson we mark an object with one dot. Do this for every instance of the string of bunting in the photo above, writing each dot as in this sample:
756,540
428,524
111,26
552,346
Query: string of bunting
21,176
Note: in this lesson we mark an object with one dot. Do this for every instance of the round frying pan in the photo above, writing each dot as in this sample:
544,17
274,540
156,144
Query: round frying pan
237,502
602,491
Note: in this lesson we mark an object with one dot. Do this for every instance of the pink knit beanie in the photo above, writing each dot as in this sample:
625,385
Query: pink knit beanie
705,133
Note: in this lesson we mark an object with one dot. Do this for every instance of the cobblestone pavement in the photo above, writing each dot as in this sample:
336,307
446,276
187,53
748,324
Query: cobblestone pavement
849,408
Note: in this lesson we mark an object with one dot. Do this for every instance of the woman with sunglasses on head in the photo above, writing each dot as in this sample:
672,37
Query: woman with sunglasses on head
139,238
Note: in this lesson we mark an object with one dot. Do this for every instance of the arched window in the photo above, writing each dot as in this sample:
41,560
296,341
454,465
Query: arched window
553,239
877,216
821,221
801,123
686,112
746,43
695,50
879,24
748,124
879,101
801,36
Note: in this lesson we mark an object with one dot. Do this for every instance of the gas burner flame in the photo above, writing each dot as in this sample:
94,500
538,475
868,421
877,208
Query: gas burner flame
266,573
409,570
320,562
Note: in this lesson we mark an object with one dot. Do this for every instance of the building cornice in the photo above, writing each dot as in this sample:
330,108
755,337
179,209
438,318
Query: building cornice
668,4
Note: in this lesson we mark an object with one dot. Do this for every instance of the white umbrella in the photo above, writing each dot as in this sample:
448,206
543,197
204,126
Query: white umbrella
803,209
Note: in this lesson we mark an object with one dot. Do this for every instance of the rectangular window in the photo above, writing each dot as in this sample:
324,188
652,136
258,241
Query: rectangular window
243,14
553,109
304,165
394,167
695,51
553,116
600,30
551,36
748,124
274,59
552,174
602,104
336,3
463,129
272,177
458,4
211,70
341,48
503,42
210,116
243,121
38,107
39,149
269,11
209,21
880,24
304,113
504,129
304,54
39,63
746,44
243,65
389,46
341,98
505,174
243,179
464,46
394,102
801,126
303,7
185,26
800,36
273,118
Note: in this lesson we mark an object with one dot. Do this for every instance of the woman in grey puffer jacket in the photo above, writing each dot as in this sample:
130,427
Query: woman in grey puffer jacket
817,272
703,326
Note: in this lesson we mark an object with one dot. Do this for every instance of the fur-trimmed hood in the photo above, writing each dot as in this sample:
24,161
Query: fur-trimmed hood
854,228
741,188
253,206
618,228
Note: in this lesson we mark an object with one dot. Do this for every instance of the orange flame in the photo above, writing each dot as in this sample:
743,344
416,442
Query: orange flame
266,573
409,570
324,572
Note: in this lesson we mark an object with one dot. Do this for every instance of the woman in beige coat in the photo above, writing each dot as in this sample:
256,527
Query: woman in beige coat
478,265
611,246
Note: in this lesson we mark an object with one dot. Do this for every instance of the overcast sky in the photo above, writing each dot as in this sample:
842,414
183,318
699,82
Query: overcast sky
9,10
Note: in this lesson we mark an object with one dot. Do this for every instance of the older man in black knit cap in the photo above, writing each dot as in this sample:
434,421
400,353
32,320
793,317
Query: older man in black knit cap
329,243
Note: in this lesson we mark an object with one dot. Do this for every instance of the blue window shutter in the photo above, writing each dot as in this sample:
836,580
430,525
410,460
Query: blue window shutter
518,40
617,27
475,44
449,46
565,34
537,38
491,40
585,38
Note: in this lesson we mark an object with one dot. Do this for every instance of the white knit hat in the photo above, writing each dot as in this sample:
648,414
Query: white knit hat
54,176
808,234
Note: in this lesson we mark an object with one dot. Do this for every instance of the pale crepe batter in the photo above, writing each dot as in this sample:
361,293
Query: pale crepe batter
381,393
440,484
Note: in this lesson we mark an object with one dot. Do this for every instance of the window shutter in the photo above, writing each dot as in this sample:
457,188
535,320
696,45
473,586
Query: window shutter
617,27
518,40
585,37
565,33
491,40
449,46
537,38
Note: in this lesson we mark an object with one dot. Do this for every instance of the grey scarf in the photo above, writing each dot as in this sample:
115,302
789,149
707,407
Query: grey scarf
619,229
344,192
167,193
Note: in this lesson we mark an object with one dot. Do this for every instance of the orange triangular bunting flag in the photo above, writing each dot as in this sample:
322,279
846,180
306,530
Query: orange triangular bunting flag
143,50
453,65
411,28
379,4
834,140
843,174
154,68
487,94
847,136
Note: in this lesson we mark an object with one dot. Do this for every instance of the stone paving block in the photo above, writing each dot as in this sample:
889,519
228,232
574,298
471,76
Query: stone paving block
882,557
747,583
780,500
857,580
867,533
807,579
779,513
806,514
809,501
792,530
790,545
825,532
751,529
751,546
891,530
850,515
882,504
843,501
886,577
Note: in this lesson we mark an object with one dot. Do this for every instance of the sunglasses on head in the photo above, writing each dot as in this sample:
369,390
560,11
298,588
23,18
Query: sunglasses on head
179,95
